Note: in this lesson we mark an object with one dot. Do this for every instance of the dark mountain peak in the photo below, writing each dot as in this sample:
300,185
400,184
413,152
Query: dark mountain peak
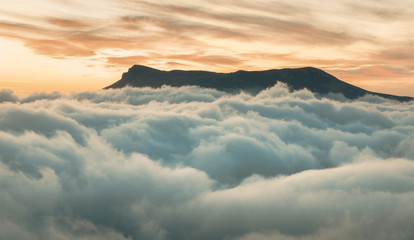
313,79
142,68
305,69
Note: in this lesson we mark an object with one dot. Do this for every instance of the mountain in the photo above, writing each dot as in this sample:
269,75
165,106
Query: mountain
253,82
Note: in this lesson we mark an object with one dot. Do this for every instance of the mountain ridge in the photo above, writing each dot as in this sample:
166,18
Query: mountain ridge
313,79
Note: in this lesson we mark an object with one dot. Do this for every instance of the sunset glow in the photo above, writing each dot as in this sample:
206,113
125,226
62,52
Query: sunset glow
73,45
298,124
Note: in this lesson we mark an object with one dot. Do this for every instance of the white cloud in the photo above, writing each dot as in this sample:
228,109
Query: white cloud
190,163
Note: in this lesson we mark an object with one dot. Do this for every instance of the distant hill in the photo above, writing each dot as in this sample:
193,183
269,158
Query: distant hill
253,82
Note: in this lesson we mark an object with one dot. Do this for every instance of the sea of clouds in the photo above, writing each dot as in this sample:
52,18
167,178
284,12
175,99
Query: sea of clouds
193,163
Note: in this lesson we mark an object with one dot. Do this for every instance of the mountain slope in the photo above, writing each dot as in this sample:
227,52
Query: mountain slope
313,79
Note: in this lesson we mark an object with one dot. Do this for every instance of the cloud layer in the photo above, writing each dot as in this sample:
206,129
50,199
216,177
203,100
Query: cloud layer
192,163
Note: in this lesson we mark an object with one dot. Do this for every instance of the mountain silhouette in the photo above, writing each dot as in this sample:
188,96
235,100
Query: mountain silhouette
313,79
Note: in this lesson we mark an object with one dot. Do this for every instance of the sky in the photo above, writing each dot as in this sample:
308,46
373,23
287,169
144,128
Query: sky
177,163
74,45
200,164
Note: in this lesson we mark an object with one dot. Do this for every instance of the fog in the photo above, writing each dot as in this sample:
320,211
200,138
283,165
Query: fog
193,163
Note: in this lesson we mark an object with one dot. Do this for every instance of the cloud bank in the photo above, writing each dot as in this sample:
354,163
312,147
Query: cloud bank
193,163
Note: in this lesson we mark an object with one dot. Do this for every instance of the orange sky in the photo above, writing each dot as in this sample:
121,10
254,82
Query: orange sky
74,45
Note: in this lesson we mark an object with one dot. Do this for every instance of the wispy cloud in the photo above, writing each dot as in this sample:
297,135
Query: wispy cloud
67,23
236,34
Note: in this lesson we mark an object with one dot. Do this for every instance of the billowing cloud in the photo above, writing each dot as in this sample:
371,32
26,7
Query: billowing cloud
7,96
192,163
